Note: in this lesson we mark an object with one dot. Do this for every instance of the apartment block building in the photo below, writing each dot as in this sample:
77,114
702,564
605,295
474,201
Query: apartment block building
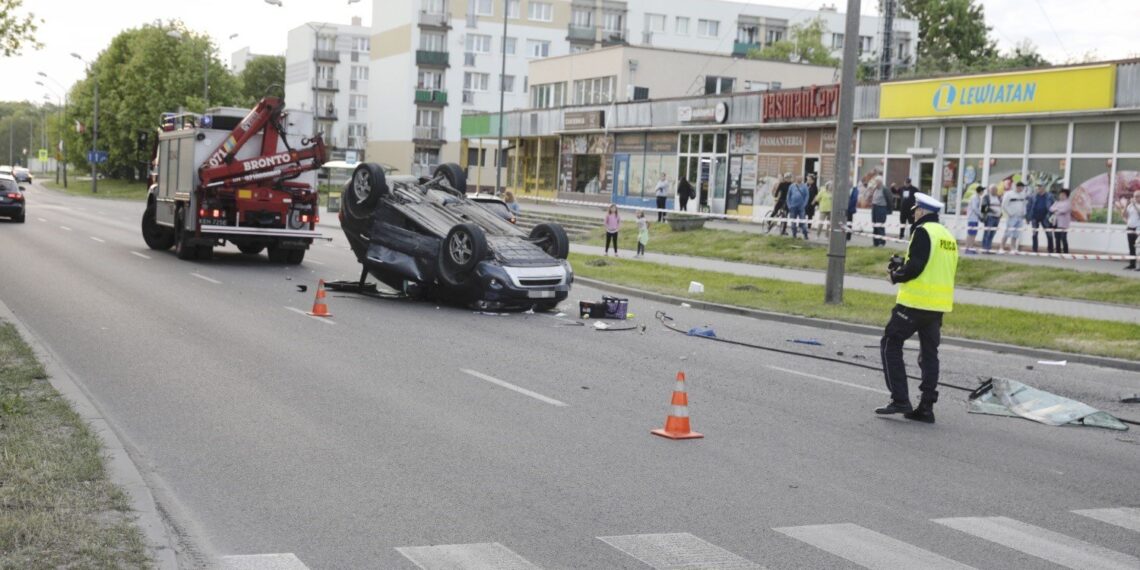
440,59
327,70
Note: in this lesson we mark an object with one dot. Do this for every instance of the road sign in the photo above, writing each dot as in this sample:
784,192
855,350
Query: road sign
97,156
43,155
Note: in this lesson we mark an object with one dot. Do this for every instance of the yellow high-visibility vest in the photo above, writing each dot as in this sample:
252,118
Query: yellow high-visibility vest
933,289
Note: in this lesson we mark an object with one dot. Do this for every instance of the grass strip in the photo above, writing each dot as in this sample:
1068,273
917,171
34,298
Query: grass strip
108,188
57,507
1068,334
973,272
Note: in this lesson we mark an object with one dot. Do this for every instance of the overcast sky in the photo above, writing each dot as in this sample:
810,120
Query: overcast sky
1062,29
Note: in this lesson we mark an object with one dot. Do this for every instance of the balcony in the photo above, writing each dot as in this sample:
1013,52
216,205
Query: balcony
432,58
428,134
327,113
581,33
326,85
741,49
330,55
431,97
439,21
615,37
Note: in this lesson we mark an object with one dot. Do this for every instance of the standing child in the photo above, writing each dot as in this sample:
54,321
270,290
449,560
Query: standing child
613,224
642,233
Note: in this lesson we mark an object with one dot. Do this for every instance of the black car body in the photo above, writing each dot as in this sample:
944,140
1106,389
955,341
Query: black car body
12,204
425,236
22,175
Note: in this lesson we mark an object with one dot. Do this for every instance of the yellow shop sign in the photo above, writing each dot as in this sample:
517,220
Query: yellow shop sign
1050,90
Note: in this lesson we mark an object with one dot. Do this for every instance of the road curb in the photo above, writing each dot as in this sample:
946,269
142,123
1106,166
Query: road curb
121,468
1037,353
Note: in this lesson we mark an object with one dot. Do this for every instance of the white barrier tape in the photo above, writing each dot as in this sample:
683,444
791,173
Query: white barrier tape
1000,251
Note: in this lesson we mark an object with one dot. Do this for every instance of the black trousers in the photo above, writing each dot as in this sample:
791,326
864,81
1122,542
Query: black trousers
611,237
1044,224
684,203
1062,238
1132,234
661,206
905,321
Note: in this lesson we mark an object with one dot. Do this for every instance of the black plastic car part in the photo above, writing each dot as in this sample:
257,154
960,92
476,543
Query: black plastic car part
455,176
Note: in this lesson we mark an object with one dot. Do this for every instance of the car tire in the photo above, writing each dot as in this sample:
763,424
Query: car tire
294,256
181,249
364,190
155,236
463,248
552,239
205,252
251,249
455,176
545,307
278,255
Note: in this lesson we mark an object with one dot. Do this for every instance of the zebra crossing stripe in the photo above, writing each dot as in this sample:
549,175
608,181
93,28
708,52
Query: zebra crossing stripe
481,556
1043,543
262,562
677,551
868,548
1122,517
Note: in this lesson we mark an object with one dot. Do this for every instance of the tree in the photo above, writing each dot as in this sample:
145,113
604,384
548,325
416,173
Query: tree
143,73
263,76
16,32
952,35
804,45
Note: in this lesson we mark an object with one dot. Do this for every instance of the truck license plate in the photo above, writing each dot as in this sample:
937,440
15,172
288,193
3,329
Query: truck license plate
540,294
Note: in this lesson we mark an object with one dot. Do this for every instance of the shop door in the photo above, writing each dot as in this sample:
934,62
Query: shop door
621,178
811,166
926,180
719,183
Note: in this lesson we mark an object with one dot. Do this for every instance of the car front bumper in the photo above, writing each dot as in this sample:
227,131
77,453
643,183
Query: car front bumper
523,286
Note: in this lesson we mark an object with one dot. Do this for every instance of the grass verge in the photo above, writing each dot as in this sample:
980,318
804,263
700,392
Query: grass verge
1085,336
108,188
973,272
57,507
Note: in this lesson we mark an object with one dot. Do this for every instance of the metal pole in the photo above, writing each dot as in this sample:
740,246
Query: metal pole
62,151
837,250
502,102
206,77
95,140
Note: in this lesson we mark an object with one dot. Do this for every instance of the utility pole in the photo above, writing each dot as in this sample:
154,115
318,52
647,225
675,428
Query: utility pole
837,249
502,102
95,141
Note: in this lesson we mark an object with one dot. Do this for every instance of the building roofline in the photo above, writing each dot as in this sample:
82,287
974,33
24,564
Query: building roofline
927,77
674,50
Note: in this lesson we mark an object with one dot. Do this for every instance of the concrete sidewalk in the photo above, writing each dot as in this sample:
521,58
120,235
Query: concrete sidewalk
1063,307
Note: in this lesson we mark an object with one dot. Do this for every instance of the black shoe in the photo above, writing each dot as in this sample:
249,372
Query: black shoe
895,408
924,414
1130,266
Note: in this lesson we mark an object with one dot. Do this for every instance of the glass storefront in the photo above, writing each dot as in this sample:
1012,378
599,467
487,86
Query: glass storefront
703,160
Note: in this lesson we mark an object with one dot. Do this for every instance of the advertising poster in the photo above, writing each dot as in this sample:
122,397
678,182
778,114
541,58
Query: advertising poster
1127,182
748,180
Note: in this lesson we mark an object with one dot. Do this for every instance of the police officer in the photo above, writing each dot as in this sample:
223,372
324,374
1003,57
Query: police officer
926,292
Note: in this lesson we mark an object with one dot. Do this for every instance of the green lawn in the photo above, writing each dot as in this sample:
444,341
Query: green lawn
1086,336
973,272
57,507
108,188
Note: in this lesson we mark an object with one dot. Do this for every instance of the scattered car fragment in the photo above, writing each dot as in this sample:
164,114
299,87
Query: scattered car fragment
1004,397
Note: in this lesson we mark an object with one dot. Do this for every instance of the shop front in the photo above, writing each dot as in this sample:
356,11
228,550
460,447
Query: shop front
639,161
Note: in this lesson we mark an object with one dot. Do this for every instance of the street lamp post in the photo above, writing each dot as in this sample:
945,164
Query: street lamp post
61,162
94,124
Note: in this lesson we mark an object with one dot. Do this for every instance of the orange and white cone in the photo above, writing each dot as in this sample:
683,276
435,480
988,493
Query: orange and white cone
677,423
320,309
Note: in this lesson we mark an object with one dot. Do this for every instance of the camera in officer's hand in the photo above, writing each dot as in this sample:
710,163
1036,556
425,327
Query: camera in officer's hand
895,264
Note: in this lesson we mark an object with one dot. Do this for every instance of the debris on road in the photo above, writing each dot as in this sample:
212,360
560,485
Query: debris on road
1004,397
302,288
1133,399
702,331
811,342
696,287
600,325
686,306
608,308
1053,362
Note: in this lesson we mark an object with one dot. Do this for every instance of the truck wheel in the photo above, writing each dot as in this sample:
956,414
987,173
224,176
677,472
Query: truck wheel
251,249
552,239
183,250
205,252
364,190
278,255
463,248
294,256
155,236
454,175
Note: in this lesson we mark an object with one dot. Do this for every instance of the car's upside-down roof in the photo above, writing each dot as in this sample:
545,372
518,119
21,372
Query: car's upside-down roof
437,211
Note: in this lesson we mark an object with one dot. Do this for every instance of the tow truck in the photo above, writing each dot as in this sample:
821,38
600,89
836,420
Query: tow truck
231,175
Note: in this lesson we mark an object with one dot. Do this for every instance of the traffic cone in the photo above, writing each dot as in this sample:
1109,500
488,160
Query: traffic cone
677,423
320,309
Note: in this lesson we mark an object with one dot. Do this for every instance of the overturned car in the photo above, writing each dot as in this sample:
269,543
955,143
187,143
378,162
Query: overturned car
425,237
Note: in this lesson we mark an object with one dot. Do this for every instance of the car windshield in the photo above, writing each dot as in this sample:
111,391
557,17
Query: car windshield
7,185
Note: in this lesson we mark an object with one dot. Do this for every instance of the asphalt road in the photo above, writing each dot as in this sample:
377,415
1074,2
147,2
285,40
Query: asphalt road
474,441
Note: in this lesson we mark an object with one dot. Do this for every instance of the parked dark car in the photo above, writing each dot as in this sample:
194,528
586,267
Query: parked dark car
22,175
425,236
12,203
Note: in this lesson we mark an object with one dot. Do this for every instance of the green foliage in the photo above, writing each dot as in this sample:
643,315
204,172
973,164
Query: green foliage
21,126
16,31
952,34
263,76
804,44
142,74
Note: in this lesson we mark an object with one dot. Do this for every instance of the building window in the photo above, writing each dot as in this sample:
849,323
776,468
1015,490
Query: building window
326,43
483,7
578,48
357,135
836,41
433,6
360,73
475,81
509,45
708,28
537,48
427,118
432,41
361,44
548,95
613,21
716,85
358,102
507,83
478,43
865,44
682,26
325,72
774,35
582,18
594,91
430,79
513,9
748,34
541,11
655,22
426,156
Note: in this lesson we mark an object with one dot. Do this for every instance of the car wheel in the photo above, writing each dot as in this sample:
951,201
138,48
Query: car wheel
463,248
183,250
155,236
546,307
205,252
552,239
455,176
250,249
294,256
364,190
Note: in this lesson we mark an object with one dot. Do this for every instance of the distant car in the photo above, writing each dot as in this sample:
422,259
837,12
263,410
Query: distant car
495,204
427,237
12,199
6,171
22,175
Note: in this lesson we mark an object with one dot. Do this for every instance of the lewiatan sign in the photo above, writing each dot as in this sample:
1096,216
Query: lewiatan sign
1049,90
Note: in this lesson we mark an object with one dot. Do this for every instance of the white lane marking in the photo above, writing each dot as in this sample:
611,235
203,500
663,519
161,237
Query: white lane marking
65,228
262,562
482,556
1043,543
510,386
677,551
41,219
204,278
1122,517
93,238
321,319
313,261
831,380
868,548
142,255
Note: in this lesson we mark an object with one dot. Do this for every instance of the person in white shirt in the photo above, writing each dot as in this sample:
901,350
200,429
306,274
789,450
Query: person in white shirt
1013,204
1132,219
973,219
662,191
